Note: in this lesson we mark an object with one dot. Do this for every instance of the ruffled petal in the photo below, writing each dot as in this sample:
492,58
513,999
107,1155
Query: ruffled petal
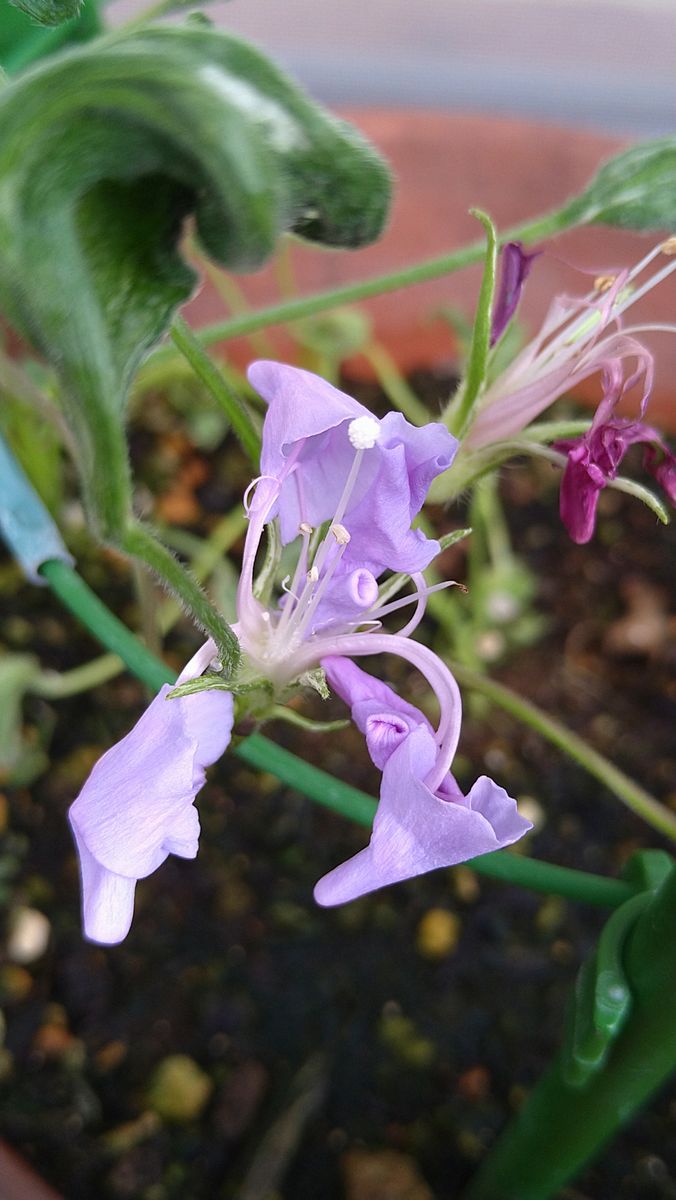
136,807
306,448
416,831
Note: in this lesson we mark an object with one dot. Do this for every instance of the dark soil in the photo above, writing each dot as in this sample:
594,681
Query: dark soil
334,1031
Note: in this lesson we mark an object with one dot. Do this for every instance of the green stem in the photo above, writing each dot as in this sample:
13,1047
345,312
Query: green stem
206,370
395,387
634,796
307,306
141,542
55,685
77,596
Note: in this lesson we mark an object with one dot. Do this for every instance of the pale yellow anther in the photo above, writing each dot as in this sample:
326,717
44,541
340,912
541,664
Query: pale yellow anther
603,283
669,247
340,534
305,528
313,575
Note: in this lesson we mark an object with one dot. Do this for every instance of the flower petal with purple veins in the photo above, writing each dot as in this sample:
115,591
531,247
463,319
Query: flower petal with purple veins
137,807
307,449
416,831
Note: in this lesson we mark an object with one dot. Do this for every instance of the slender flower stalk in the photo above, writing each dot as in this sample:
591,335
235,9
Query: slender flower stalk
343,487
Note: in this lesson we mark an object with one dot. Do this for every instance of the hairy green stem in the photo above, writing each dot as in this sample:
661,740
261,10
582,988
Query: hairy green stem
308,306
631,793
227,400
56,685
140,541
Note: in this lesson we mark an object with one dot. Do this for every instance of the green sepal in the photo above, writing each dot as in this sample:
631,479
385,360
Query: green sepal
459,412
211,682
316,679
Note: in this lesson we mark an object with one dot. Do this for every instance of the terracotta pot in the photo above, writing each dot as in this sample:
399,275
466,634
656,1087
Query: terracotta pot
19,1182
444,164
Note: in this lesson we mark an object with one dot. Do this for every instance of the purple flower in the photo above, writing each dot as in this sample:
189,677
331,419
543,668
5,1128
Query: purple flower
579,337
318,442
137,807
422,823
515,266
344,487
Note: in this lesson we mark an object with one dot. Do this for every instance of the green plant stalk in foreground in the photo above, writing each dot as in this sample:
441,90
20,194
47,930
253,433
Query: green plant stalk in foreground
260,752
562,1126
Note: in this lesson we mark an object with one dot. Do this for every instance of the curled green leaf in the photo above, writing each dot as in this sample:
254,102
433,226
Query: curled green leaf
105,151
49,12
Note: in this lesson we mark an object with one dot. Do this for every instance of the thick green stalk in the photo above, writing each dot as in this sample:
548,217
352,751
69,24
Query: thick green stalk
206,370
321,787
631,793
78,597
352,293
562,1126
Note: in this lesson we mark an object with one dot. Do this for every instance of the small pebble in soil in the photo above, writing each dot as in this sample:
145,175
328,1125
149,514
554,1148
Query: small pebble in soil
382,1175
437,933
29,933
532,810
399,1034
179,1089
466,885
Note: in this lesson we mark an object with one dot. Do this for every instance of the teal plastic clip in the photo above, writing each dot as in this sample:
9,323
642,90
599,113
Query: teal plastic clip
25,524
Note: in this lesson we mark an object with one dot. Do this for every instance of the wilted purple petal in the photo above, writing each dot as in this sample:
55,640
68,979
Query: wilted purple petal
136,807
594,460
581,487
515,267
416,831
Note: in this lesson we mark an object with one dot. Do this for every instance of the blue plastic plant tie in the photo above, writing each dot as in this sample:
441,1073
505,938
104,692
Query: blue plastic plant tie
25,524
